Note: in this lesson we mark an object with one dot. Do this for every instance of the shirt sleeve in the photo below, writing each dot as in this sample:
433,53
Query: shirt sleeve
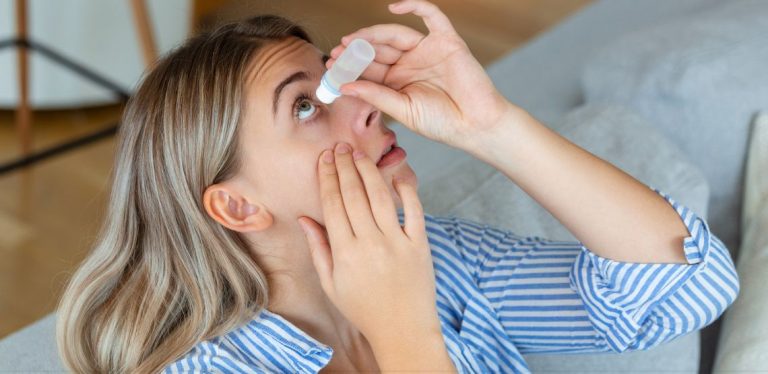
560,297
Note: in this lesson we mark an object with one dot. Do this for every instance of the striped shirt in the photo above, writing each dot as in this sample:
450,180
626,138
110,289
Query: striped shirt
501,295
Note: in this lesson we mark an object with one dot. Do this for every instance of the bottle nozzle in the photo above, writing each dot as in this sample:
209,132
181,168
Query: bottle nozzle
347,68
325,92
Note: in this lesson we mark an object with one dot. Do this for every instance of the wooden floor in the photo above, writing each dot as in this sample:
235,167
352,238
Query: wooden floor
50,212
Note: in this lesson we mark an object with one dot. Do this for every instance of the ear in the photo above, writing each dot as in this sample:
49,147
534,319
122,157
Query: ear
233,211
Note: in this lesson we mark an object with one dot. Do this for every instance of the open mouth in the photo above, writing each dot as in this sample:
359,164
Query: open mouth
393,155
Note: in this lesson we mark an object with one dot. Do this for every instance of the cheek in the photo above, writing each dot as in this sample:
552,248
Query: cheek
305,192
293,183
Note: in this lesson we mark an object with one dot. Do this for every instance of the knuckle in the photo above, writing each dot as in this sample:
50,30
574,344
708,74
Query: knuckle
355,192
333,199
418,208
455,43
343,164
381,195
420,225
412,113
374,242
328,170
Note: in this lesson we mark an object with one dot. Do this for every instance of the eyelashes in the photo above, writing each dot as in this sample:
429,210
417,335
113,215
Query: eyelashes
304,96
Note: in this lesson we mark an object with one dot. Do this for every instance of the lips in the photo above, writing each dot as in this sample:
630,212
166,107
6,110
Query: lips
391,142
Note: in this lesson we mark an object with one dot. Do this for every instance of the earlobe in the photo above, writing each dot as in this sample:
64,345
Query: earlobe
233,210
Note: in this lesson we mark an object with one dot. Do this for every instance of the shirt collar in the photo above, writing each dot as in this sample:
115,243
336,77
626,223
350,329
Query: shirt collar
290,336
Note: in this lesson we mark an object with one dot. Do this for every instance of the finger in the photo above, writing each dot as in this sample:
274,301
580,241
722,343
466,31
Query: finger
435,19
382,205
334,213
397,36
353,193
374,72
413,212
320,250
382,97
385,54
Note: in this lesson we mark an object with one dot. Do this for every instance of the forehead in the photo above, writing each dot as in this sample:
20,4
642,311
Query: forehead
276,60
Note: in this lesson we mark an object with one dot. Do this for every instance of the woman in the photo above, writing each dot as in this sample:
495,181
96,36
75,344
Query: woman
226,161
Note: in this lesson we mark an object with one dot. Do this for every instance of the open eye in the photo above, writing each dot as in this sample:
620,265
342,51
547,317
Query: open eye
304,108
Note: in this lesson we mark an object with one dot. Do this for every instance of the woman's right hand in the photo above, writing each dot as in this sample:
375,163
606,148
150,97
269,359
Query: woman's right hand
431,84
378,274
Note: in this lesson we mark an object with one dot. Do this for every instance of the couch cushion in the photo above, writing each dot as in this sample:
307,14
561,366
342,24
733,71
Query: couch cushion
756,174
544,75
743,346
699,79
612,133
32,349
475,190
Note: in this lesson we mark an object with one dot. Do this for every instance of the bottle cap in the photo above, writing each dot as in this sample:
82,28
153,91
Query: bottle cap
326,93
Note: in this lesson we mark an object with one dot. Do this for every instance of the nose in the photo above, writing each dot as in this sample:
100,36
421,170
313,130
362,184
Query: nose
359,116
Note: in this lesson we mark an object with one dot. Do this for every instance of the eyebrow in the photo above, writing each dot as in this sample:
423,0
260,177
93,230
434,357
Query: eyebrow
295,77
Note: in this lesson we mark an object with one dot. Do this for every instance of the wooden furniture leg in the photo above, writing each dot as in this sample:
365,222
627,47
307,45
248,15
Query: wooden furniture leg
23,110
144,28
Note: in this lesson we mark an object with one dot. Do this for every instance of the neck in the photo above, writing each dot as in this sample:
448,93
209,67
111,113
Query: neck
295,292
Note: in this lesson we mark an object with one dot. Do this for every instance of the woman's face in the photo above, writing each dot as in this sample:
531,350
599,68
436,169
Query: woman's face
285,129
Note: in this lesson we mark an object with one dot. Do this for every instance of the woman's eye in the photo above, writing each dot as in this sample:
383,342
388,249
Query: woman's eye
305,109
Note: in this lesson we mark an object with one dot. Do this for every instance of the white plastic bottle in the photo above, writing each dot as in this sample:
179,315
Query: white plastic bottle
348,67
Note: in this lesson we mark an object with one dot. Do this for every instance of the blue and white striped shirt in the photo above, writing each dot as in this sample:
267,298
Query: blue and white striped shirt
501,295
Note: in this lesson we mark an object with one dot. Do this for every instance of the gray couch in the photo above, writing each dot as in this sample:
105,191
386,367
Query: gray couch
474,190
547,78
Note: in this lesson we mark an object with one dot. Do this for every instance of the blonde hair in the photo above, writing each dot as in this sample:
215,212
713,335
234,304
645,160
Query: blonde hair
162,275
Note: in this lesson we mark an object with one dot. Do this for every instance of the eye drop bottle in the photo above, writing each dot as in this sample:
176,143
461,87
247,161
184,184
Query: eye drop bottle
348,67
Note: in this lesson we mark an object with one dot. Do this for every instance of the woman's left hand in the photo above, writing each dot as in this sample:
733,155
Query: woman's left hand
378,274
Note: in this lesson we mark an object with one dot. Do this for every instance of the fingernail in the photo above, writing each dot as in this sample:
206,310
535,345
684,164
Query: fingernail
342,148
345,39
327,156
358,154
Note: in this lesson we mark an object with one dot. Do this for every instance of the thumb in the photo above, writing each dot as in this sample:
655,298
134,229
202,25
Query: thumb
386,99
319,249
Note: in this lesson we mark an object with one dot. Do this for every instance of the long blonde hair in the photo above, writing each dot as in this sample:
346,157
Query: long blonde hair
162,275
